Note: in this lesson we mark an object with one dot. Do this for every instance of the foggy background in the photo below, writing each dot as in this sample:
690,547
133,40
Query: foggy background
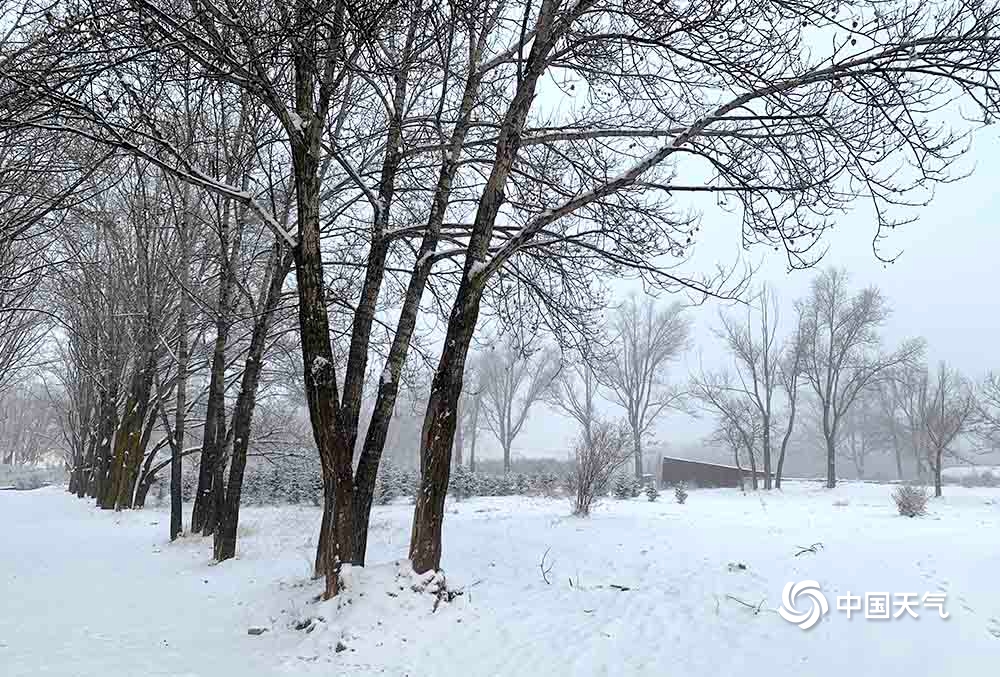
943,287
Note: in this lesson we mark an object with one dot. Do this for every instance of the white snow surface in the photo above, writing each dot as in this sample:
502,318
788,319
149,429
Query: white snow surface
960,472
87,593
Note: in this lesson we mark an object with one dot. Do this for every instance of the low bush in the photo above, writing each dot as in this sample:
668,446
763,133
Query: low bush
911,501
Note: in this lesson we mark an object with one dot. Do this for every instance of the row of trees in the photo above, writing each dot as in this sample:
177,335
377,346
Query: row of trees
625,364
409,158
833,377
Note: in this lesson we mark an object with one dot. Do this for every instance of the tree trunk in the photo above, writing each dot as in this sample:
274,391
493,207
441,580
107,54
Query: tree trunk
829,435
739,467
125,458
317,362
180,415
217,491
472,451
224,546
637,450
459,450
214,430
767,452
135,450
323,540
831,468
780,469
446,386
225,535
90,475
937,472
899,457
145,480
378,426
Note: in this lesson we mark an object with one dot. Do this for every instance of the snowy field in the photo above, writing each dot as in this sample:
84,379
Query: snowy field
86,593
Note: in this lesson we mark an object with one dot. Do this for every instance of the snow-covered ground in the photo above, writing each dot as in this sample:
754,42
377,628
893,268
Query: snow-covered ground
86,593
959,472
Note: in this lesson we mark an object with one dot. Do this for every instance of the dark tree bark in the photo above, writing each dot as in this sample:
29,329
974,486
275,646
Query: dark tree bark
317,358
224,546
779,470
214,431
205,511
446,386
180,415
385,402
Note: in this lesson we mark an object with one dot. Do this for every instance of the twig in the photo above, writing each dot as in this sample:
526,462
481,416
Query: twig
756,607
546,572
814,548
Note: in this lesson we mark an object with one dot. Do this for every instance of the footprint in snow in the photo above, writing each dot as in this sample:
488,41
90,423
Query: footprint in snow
993,627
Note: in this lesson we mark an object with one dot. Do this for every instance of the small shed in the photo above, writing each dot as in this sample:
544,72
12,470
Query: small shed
702,474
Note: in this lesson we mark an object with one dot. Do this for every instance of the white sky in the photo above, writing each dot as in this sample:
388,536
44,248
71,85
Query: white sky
943,287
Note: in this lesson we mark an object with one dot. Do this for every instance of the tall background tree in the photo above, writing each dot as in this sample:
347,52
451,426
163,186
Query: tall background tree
842,351
512,382
647,339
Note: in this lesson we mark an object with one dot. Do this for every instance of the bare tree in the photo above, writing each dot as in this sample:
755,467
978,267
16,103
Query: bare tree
23,325
889,401
861,430
757,354
470,417
985,424
842,351
512,382
645,340
27,433
575,393
738,421
790,376
597,460
947,411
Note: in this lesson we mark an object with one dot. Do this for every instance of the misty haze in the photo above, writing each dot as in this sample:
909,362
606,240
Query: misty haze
499,337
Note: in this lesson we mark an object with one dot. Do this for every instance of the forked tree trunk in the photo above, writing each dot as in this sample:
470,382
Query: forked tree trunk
320,374
204,514
145,480
446,387
385,402
125,458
